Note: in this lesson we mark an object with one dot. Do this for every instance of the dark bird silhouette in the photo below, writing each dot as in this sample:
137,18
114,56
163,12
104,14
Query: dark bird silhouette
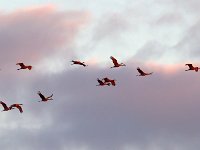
78,63
115,62
101,83
107,80
6,108
142,73
23,66
44,99
18,106
191,67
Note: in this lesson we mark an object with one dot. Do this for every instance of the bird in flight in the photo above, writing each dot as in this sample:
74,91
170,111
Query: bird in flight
18,106
44,99
115,62
107,80
142,73
23,66
77,62
6,108
101,83
191,67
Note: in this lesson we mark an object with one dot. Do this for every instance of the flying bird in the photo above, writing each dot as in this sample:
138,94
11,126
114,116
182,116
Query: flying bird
23,66
101,83
142,73
18,106
44,99
77,62
107,80
191,67
6,108
115,62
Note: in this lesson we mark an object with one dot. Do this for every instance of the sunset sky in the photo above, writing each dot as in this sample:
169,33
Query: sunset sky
157,112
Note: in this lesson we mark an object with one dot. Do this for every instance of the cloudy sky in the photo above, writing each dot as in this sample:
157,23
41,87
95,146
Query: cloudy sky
158,112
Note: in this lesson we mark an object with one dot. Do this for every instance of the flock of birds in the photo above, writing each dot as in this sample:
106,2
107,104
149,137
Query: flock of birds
102,82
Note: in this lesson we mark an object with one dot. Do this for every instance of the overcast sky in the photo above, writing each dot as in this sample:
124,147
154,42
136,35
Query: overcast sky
157,112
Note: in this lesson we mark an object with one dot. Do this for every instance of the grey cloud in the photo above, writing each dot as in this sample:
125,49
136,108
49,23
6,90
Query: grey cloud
134,112
111,26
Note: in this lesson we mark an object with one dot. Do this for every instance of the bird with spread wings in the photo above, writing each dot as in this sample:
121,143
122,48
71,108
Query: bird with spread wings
44,99
142,73
115,62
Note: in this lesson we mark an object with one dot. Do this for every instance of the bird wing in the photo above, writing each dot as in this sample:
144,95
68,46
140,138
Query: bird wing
82,63
106,79
21,64
114,60
4,105
20,108
41,96
76,61
100,82
140,71
189,65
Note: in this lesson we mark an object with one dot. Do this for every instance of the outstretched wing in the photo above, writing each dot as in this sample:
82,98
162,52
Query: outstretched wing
106,79
4,105
76,61
140,71
21,64
100,82
82,63
41,96
20,108
114,60
189,65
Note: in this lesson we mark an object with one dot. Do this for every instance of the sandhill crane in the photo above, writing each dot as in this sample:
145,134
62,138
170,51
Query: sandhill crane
107,80
6,108
44,99
101,83
18,106
142,73
191,67
116,64
78,63
23,66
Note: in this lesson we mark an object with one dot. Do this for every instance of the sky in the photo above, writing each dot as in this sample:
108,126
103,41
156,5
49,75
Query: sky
157,112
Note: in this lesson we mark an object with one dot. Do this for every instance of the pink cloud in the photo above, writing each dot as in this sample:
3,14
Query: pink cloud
32,33
168,69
